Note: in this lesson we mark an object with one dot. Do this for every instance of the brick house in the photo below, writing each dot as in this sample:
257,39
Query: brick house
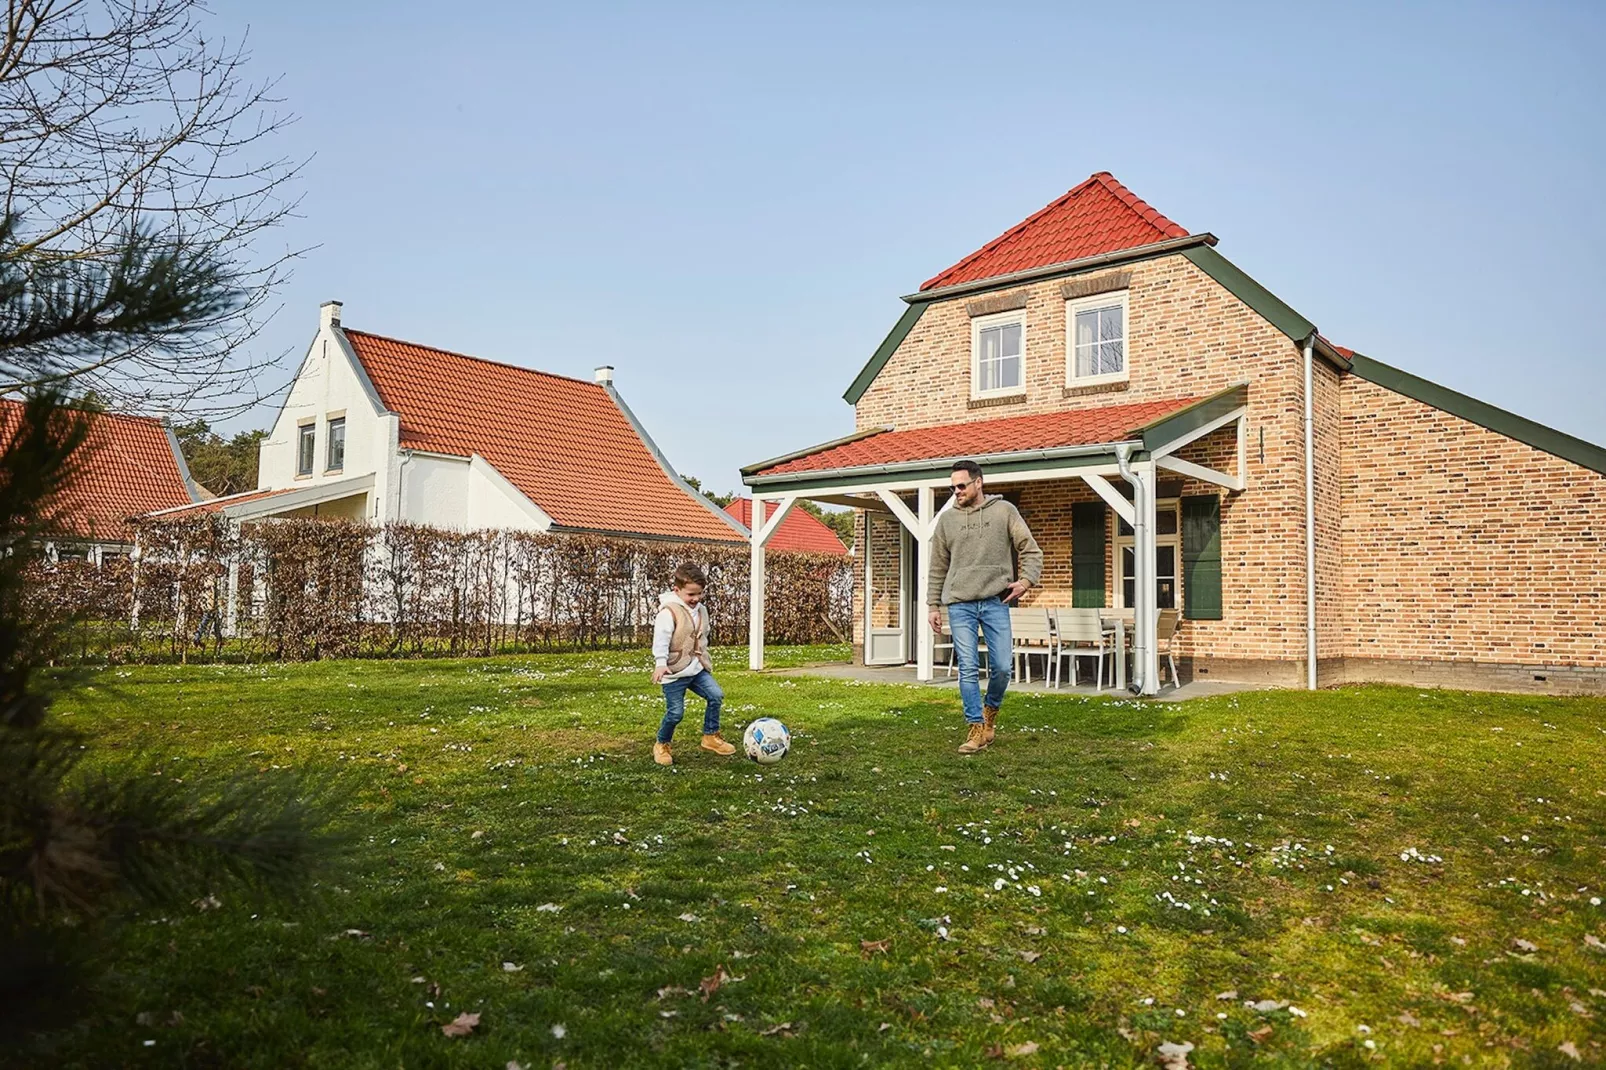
1178,436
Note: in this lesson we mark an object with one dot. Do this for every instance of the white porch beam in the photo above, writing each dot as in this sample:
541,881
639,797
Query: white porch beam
755,596
916,526
1199,432
762,534
1112,497
896,485
925,641
1200,472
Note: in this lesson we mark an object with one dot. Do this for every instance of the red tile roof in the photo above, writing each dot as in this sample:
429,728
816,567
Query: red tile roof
1049,430
127,468
213,505
562,442
801,530
1099,216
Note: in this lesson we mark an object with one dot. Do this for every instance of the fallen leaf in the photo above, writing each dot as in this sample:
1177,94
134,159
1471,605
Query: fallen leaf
514,1064
548,908
1020,1051
1174,1056
689,917
511,967
1031,956
711,983
1456,997
1258,1035
995,1052
1228,996
883,1027
1579,1009
873,947
1569,1049
1266,1006
1133,823
1407,1018
1034,930
1524,945
462,1025
784,1027
986,1003
144,1018
673,990
1594,941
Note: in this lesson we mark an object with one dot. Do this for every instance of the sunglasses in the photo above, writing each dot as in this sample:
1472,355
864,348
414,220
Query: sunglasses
963,486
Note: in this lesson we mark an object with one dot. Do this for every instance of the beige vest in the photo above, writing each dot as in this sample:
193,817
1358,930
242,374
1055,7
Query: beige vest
689,640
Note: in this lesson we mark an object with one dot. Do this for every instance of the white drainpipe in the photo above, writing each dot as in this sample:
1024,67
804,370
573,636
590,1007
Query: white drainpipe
1310,526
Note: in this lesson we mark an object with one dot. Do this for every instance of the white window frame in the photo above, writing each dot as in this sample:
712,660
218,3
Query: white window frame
1081,304
329,444
1126,542
312,459
981,323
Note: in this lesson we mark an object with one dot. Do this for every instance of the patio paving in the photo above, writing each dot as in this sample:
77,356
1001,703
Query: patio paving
905,674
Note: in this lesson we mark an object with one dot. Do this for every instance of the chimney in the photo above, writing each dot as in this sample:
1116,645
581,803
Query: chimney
604,374
329,314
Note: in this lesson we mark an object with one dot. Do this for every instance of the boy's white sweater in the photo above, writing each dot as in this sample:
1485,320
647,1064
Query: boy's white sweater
663,630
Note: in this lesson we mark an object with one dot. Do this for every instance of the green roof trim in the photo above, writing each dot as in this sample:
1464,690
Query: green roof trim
1556,443
889,346
1174,425
1237,282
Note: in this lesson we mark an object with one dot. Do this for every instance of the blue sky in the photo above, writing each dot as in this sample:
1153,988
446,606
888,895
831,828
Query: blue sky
725,202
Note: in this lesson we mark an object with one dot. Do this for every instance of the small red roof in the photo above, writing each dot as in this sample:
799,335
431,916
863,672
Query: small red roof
128,466
1099,216
214,505
801,530
977,439
562,442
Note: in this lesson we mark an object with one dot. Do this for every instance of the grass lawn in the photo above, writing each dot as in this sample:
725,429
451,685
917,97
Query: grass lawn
1369,874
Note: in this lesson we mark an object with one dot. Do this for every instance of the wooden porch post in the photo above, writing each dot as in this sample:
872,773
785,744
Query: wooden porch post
755,599
925,642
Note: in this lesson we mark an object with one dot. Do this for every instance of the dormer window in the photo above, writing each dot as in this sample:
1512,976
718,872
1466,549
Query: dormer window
1095,346
998,348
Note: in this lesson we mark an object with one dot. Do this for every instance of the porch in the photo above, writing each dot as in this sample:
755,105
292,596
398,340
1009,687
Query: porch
1113,457
908,676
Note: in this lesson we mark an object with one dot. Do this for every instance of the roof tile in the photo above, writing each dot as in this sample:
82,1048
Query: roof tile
978,438
127,468
801,530
562,442
1098,216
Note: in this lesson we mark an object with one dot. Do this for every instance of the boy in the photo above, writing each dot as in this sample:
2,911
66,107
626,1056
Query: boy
680,655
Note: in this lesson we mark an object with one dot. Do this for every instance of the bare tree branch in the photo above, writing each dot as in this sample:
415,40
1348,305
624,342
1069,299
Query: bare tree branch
123,117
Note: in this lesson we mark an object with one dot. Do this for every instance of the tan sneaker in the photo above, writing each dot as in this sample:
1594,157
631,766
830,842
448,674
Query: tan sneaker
989,721
976,740
661,755
718,746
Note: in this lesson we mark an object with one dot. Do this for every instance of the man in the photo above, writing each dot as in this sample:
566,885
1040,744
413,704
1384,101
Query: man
973,553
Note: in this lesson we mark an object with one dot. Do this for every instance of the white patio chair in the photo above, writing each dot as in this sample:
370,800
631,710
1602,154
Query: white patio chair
1081,635
1033,635
1165,629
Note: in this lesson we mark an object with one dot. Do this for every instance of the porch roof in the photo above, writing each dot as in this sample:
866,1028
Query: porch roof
257,504
976,439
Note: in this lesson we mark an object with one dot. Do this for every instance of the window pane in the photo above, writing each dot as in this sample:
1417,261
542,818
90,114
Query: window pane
1084,360
1110,323
1011,339
1009,372
1086,328
1126,530
337,443
990,338
1109,358
304,452
1165,521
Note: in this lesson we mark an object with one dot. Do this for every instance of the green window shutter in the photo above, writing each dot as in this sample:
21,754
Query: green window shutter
1088,525
1201,557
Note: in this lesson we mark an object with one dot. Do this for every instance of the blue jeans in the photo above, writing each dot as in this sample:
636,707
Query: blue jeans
990,617
702,684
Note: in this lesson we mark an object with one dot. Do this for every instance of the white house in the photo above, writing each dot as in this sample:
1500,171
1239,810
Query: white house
378,429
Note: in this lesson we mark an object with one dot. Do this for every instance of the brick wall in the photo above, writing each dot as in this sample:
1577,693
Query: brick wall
1463,545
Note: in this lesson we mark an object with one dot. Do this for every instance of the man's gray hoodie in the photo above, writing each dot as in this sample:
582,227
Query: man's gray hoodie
974,550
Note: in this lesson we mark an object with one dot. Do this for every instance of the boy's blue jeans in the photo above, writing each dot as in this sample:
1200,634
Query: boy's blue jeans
989,616
702,684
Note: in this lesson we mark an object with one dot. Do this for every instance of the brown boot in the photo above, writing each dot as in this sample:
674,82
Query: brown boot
989,721
713,742
661,755
976,740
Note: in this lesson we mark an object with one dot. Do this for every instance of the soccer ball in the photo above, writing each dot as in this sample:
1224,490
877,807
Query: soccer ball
766,741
